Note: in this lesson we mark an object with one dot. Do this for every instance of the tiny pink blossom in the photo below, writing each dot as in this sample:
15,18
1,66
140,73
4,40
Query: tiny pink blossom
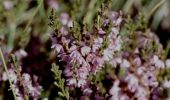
133,82
72,82
8,4
114,91
167,63
57,47
166,84
81,82
107,54
87,91
125,64
64,18
85,50
101,32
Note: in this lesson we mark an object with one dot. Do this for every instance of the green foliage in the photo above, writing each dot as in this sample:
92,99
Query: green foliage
60,82
139,24
99,77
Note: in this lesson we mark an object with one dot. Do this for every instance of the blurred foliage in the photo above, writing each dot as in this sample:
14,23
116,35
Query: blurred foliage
21,21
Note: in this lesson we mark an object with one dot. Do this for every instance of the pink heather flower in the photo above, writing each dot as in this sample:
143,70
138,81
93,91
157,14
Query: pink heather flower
53,4
115,31
97,44
83,72
65,41
16,90
114,15
12,75
98,63
57,47
166,84
64,31
64,18
125,64
157,62
72,48
87,91
117,44
136,51
167,63
107,54
90,57
116,18
154,59
133,82
114,91
71,82
76,57
68,72
141,93
101,32
140,70
8,4
115,61
160,64
85,50
33,91
106,22
118,21
81,82
150,79
20,53
124,97
137,61
70,23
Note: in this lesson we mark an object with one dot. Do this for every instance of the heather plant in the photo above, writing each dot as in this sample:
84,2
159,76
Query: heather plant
83,50
87,49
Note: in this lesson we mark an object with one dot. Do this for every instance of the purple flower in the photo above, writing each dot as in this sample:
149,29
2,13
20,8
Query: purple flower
8,4
125,64
57,47
85,50
167,63
101,32
166,84
114,91
133,82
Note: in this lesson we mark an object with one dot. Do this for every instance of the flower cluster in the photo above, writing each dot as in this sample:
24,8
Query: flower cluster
141,67
88,55
135,58
23,82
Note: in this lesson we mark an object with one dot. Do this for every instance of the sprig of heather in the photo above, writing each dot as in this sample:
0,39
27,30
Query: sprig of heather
87,54
7,73
60,82
22,82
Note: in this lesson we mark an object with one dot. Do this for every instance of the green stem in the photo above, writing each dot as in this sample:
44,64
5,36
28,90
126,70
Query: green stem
6,70
30,21
167,49
155,8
